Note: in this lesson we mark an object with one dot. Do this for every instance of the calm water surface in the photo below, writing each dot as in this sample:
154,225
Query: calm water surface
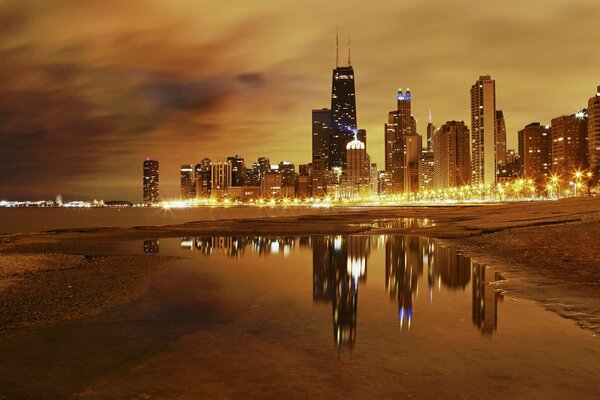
310,317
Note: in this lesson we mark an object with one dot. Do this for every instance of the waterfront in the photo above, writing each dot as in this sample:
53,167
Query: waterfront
358,316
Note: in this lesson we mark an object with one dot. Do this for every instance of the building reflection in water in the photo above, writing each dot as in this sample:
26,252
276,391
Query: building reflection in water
485,300
151,246
340,264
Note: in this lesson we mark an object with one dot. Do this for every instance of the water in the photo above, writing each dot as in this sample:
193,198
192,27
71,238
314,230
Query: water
25,220
309,317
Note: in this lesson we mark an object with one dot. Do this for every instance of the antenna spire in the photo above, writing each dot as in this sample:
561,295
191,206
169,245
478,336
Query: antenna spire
429,116
337,46
349,64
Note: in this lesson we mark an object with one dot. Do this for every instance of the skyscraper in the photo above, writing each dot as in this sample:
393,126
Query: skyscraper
151,195
430,130
356,176
187,181
400,124
535,151
570,143
500,139
594,133
483,125
343,113
452,155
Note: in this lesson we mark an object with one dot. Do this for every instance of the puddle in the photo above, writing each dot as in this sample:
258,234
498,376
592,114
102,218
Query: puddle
306,317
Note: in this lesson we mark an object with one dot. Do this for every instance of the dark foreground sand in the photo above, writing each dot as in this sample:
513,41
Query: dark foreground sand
547,251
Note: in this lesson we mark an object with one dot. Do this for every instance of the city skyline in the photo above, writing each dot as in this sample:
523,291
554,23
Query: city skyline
82,106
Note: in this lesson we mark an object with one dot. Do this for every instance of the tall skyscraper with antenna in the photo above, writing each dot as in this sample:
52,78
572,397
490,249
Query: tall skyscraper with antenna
343,111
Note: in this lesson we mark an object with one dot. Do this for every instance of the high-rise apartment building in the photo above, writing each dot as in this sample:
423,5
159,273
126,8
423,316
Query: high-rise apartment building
570,143
500,139
187,182
150,181
452,155
483,131
594,133
535,151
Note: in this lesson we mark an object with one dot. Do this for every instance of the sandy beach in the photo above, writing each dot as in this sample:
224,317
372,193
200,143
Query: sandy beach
546,251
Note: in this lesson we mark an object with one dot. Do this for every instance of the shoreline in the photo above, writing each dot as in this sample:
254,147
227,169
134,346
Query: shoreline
546,251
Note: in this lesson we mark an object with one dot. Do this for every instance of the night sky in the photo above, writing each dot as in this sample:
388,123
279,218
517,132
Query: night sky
90,88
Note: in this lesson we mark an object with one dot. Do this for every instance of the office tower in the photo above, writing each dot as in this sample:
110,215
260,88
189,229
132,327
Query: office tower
321,130
238,169
287,171
187,181
220,175
500,139
594,133
151,195
343,113
483,125
570,143
203,180
451,155
535,151
357,171
400,124
430,130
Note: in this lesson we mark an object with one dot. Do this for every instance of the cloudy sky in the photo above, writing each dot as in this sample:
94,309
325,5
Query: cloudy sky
88,89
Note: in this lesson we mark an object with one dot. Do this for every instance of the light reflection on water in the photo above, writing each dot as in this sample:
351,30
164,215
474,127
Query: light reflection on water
340,267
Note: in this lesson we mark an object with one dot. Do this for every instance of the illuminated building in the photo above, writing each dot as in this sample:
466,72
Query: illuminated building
150,181
451,155
535,151
355,181
303,181
594,133
270,184
343,113
264,166
500,138
569,143
318,170
483,131
374,179
187,182
430,130
400,124
237,170
321,131
485,300
220,177
203,180
288,173
413,145
426,170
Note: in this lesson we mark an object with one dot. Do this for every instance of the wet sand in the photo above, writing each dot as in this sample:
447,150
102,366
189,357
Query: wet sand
547,252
